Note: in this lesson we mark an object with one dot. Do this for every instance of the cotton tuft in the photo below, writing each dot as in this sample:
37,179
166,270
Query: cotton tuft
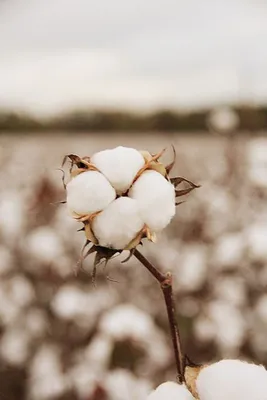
171,391
119,165
118,224
122,196
232,380
89,192
156,199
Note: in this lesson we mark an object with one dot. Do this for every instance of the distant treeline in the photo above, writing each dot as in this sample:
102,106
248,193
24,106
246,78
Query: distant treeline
251,118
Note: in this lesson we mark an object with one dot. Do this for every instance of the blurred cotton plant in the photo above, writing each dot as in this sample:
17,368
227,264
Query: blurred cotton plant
123,196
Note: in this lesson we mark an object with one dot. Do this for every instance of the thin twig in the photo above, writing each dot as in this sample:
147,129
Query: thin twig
157,274
176,340
165,282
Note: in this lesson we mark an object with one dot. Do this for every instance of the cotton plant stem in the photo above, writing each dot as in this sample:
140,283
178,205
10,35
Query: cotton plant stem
165,281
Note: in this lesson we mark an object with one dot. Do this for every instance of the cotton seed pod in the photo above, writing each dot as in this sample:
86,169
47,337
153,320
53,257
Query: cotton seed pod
121,196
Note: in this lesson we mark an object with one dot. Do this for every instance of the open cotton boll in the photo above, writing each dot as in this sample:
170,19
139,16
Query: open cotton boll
118,224
119,165
171,391
232,380
156,199
89,192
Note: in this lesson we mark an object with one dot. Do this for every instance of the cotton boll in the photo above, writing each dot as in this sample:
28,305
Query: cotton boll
193,268
118,224
156,199
232,380
126,321
98,352
256,240
20,290
123,385
12,213
46,380
14,347
119,165
89,192
230,339
228,251
43,244
69,302
170,391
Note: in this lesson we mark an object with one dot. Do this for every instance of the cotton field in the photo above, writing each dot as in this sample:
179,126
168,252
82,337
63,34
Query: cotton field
63,338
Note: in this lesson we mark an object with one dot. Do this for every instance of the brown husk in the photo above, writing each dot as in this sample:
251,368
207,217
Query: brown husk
191,375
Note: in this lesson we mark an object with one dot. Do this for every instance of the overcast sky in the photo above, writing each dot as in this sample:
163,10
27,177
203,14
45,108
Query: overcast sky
59,54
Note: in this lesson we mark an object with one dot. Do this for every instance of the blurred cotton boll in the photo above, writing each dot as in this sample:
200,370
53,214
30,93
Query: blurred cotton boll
119,165
20,290
232,380
193,268
44,244
89,192
127,321
228,251
256,241
46,376
224,120
14,347
118,224
230,338
256,155
98,352
170,391
84,380
156,199
77,304
121,385
232,290
36,323
12,215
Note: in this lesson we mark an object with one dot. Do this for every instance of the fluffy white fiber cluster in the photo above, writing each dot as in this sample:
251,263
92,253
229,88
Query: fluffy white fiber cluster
171,391
121,195
224,380
232,380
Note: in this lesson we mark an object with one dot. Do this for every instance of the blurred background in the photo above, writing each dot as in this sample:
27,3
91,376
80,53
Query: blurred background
80,76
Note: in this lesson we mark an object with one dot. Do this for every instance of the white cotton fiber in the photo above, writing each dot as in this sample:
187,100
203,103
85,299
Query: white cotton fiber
232,380
171,391
127,321
118,224
119,165
89,192
156,199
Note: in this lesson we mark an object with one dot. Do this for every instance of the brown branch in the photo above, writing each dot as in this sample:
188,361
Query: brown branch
165,282
157,274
